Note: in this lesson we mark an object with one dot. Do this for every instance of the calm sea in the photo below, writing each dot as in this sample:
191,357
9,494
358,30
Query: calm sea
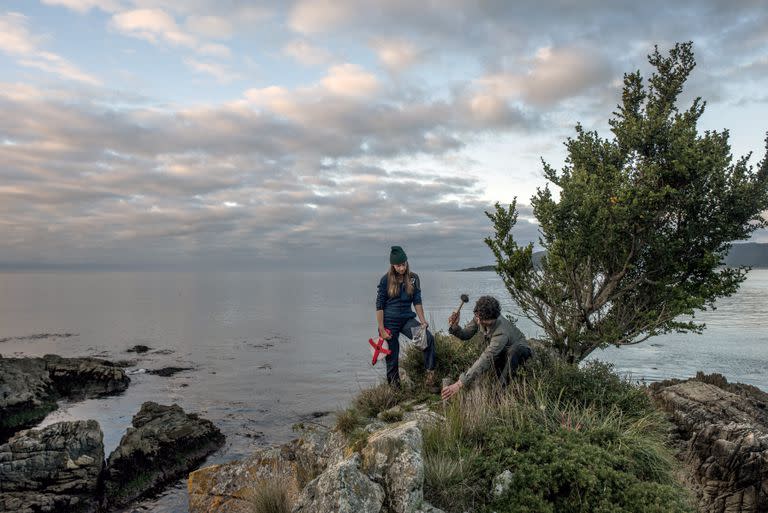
272,349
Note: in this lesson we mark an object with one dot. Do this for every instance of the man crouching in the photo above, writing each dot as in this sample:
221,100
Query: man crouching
507,348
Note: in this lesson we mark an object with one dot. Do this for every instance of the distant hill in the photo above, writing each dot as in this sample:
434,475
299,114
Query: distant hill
754,254
536,259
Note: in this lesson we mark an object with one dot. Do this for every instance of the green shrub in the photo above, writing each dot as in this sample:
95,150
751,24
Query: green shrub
453,357
575,440
565,471
595,383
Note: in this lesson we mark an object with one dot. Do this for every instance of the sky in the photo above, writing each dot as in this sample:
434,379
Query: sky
313,135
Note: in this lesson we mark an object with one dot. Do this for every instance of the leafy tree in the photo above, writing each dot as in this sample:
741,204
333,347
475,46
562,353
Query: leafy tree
643,221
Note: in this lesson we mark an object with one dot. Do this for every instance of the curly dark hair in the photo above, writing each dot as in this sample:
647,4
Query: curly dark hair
487,308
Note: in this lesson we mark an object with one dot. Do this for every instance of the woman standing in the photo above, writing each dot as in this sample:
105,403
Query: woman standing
397,291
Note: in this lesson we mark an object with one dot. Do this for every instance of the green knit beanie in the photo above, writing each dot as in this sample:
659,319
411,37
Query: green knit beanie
397,256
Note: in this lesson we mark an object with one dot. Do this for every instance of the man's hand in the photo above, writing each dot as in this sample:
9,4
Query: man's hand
384,333
450,390
453,319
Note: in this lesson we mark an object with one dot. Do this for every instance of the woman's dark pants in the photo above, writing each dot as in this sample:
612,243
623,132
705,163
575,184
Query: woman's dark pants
405,326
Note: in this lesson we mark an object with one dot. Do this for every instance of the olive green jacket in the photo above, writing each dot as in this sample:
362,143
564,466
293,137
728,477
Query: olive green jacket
499,337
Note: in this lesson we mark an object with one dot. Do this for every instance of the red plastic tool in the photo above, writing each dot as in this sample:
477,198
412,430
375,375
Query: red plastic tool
379,347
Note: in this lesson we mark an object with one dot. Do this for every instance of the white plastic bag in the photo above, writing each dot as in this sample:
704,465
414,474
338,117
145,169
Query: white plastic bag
419,336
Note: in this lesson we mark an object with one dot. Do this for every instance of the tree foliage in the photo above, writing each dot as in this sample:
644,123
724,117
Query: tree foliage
643,221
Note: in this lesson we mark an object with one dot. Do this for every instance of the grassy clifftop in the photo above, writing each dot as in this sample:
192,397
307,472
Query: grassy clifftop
559,439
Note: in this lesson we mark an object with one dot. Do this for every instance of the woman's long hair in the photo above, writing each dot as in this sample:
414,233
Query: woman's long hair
395,281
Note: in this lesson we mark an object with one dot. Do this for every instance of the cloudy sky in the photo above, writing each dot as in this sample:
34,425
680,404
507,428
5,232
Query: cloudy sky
314,134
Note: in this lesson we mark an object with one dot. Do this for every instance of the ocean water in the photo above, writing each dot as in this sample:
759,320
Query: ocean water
272,349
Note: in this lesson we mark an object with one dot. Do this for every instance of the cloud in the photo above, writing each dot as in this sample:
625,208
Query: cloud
313,16
215,50
396,55
83,6
552,75
395,134
213,27
153,25
18,42
350,80
221,73
94,181
306,53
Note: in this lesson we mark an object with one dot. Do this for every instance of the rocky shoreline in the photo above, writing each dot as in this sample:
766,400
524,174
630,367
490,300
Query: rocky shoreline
323,471
722,437
720,430
720,433
30,387
62,467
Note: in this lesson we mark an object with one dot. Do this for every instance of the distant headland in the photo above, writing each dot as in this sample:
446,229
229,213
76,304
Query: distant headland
753,254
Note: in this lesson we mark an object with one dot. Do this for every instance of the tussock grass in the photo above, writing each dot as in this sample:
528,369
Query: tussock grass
347,420
371,401
269,496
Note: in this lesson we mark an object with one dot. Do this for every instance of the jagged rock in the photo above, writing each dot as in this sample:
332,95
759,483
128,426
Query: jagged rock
389,474
138,349
168,371
164,444
231,487
29,387
317,448
26,394
342,488
725,437
424,418
393,458
85,377
54,469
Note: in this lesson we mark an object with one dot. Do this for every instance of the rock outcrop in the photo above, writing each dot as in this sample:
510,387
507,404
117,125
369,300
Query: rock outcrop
27,394
85,377
61,467
323,471
723,434
342,488
30,387
164,444
54,469
231,486
393,459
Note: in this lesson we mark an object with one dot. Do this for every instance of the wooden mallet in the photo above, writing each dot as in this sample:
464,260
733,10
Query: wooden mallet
464,299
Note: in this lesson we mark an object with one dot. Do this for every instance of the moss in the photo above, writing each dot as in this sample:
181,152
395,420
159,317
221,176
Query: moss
392,415
21,418
357,440
138,484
